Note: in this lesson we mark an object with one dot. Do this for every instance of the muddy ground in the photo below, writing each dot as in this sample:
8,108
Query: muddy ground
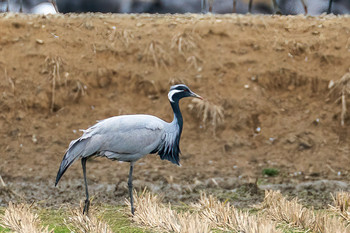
265,80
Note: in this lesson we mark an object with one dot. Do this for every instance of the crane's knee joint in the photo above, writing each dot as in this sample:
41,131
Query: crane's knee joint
129,184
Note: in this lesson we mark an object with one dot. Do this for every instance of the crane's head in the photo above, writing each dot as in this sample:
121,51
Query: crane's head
180,91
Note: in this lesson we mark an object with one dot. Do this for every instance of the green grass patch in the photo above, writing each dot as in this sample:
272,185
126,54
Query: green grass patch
2,211
4,229
118,220
270,171
54,219
113,215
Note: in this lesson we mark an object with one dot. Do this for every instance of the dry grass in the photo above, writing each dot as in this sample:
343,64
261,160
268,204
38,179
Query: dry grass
279,209
92,223
184,42
74,89
2,183
341,205
340,90
125,36
19,218
224,216
155,53
150,212
209,112
53,66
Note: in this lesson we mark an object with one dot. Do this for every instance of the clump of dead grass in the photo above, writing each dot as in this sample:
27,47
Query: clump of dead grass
341,205
53,66
150,212
125,36
19,218
155,53
279,209
184,42
209,112
340,90
6,189
92,223
224,216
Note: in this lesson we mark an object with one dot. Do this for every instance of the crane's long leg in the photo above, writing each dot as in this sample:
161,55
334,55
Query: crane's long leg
87,201
21,6
204,4
130,188
211,6
330,7
8,6
250,6
234,6
276,9
305,6
53,2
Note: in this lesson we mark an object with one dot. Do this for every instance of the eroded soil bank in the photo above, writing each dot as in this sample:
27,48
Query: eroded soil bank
265,80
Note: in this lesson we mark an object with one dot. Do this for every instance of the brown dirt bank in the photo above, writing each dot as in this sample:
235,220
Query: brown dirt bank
267,75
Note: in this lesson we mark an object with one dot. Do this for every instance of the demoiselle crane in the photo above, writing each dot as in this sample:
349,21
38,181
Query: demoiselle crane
129,138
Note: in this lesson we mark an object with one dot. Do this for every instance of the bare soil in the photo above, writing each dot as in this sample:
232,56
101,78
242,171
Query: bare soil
265,80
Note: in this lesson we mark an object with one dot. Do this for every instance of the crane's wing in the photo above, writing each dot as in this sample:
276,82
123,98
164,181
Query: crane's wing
133,134
127,135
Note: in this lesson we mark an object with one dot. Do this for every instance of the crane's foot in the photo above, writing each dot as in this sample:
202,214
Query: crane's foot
86,207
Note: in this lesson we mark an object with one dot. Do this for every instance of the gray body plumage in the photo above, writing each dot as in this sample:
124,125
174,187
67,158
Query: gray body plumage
125,138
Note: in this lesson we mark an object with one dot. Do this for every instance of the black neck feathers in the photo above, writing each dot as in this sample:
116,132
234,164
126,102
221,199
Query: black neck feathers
177,116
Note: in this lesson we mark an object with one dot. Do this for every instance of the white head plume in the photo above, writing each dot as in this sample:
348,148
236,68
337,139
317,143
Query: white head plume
171,93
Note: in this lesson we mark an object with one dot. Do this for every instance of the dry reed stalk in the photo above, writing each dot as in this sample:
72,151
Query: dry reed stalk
10,81
53,65
209,112
340,89
155,53
341,205
7,189
92,223
126,37
18,218
192,62
279,209
184,42
150,212
224,216
3,184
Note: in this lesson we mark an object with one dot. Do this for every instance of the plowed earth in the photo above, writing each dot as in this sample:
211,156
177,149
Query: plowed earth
265,80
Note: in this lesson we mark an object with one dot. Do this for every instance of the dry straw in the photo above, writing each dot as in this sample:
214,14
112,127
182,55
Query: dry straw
18,218
92,223
184,42
150,212
224,216
54,65
209,112
155,53
341,205
339,90
279,209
